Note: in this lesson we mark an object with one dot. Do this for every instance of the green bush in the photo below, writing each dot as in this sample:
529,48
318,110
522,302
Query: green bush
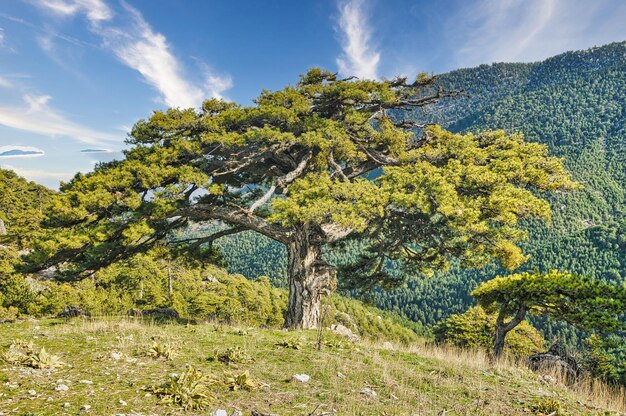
475,329
17,292
235,299
547,406
190,390
370,322
8,314
199,292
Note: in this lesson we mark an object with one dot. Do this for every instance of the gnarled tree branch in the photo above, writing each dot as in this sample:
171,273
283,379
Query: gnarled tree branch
519,317
210,238
238,217
378,157
281,182
338,169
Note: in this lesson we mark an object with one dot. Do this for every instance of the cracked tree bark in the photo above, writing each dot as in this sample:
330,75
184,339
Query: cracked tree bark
309,278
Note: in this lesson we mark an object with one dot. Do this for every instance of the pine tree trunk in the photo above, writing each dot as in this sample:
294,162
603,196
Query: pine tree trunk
498,343
309,277
170,287
503,328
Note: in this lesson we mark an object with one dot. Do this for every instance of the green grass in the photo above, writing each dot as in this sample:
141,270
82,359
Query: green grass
418,379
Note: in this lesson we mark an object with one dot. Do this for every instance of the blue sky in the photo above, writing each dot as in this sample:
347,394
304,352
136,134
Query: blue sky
75,75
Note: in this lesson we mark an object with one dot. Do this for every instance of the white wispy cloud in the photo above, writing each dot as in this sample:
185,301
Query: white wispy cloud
45,43
59,53
148,52
95,10
37,116
5,83
48,178
136,44
359,58
1,36
215,85
487,31
15,151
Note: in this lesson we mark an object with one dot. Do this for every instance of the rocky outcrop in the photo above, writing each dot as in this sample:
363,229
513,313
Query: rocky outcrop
344,331
72,311
556,358
160,313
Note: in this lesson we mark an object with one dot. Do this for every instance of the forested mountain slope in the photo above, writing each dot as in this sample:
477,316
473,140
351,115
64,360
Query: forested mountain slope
574,102
20,208
20,214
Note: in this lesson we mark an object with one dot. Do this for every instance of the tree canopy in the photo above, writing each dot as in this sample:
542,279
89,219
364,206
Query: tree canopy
581,301
316,163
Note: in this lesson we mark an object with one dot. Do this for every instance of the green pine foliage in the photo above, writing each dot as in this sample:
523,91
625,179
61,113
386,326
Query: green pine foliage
21,213
581,301
21,204
585,303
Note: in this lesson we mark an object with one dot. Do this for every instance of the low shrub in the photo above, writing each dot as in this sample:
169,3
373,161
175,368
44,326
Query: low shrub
190,390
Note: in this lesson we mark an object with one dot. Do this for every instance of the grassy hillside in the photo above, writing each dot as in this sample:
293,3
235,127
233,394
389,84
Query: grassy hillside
108,367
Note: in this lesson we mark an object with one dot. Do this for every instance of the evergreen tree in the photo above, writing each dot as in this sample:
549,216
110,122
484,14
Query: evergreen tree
581,301
294,168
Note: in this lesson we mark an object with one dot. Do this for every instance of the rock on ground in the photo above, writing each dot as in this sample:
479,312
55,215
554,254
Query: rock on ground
304,378
344,331
71,311
161,313
366,391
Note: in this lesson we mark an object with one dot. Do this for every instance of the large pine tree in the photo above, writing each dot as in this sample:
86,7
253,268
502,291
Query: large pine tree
296,167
